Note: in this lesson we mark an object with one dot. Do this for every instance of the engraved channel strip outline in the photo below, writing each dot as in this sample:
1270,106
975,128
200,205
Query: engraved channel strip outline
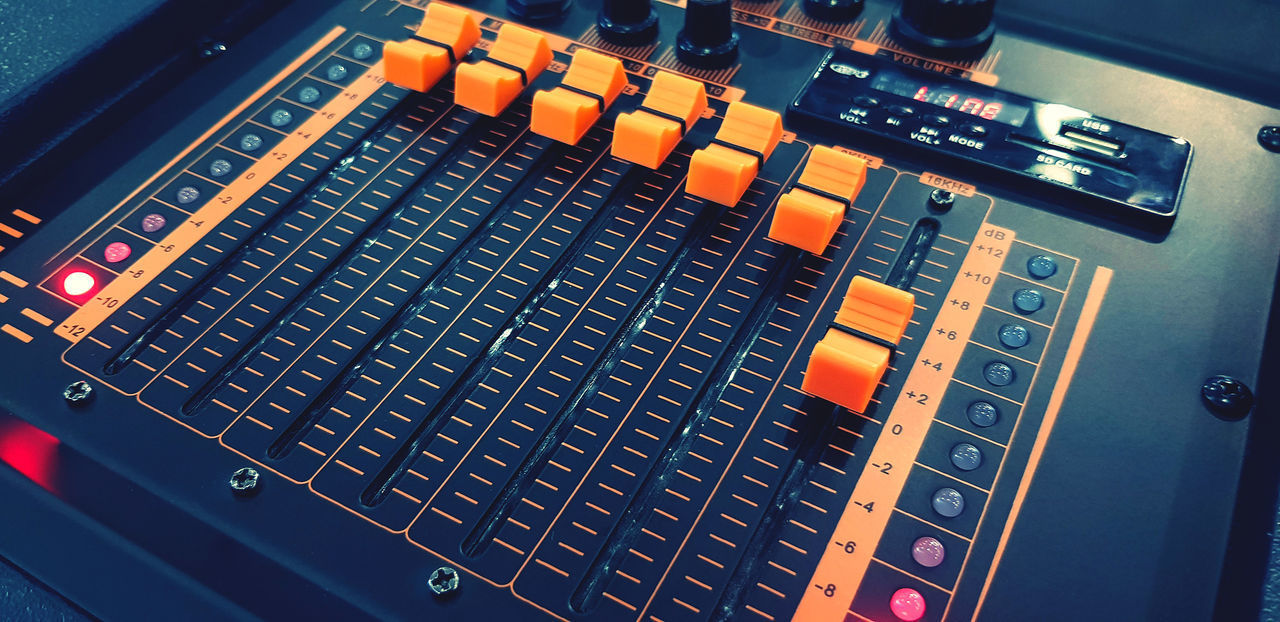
535,604
198,291
1075,349
370,228
186,235
219,126
815,486
704,531
590,173
911,419
700,395
486,230
1055,328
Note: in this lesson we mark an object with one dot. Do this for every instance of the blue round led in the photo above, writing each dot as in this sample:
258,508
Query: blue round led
983,414
309,95
966,456
1028,300
1042,266
187,195
948,502
280,117
1014,335
362,51
336,72
998,374
218,168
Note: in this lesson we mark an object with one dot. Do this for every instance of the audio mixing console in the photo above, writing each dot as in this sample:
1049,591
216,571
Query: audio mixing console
536,310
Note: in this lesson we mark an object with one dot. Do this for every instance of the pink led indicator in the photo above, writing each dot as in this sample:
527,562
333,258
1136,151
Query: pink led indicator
117,252
928,552
152,223
907,605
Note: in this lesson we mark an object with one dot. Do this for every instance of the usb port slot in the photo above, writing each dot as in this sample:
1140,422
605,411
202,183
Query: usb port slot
1092,142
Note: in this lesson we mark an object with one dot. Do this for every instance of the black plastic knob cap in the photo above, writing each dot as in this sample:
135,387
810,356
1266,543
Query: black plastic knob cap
708,40
538,10
833,10
955,27
627,22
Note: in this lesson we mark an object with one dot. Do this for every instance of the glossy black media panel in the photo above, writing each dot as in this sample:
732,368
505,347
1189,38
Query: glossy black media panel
1133,174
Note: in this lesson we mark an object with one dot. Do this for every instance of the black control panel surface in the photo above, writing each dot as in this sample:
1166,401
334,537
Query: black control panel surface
287,340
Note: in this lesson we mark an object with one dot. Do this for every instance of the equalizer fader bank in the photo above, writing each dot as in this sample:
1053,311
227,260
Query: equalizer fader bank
800,309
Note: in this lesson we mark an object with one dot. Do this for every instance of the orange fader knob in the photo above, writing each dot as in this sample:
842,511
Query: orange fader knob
446,35
490,84
809,213
669,110
844,369
876,309
590,86
849,361
721,171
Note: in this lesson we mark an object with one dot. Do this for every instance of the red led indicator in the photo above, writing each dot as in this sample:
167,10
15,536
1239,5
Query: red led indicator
31,451
77,283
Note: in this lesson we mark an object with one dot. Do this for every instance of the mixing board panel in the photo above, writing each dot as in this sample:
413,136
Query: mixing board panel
480,372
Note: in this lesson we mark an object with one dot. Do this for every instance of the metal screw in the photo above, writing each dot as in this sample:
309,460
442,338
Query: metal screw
77,392
244,482
942,199
213,49
1269,138
443,581
1227,397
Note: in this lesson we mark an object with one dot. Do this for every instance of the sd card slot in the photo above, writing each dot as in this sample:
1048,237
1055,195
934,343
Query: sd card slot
198,288
394,470
360,243
1093,154
590,590
1093,142
522,480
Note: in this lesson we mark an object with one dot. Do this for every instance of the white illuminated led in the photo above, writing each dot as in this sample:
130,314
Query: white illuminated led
78,283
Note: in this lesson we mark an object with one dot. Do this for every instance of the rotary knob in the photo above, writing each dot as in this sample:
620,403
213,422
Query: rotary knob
708,40
538,10
627,22
833,10
949,27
